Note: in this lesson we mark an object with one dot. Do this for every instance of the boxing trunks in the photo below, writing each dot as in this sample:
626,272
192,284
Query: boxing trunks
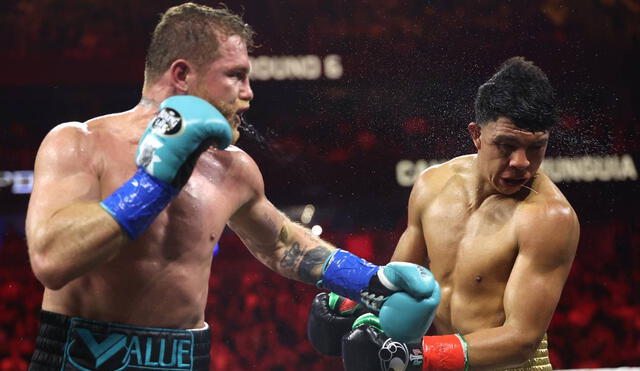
538,362
71,344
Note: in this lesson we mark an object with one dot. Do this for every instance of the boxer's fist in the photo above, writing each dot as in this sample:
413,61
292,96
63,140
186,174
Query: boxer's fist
416,280
331,316
407,296
184,127
167,152
410,289
367,348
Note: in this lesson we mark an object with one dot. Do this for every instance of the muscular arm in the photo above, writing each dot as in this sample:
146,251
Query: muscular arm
284,246
68,233
547,237
412,247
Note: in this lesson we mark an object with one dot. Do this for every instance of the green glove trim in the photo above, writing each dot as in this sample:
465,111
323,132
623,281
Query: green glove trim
465,346
367,319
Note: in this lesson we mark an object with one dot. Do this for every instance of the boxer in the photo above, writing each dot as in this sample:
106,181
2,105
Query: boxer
127,207
497,234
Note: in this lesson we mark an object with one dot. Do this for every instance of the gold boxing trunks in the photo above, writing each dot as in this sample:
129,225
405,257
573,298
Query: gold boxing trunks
538,362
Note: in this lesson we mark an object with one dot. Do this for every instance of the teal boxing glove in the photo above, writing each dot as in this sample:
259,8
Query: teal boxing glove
404,318
413,279
374,286
184,127
407,314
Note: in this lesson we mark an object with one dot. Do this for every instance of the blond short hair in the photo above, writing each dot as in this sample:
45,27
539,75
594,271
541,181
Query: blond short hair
192,32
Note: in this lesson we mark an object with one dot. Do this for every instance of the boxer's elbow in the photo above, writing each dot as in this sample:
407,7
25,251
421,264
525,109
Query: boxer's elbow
48,275
47,270
523,348
525,351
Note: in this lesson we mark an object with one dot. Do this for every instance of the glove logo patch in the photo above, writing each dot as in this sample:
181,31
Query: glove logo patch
167,122
394,356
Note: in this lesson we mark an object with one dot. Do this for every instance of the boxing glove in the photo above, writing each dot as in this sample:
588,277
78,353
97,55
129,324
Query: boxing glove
368,348
184,127
415,292
331,316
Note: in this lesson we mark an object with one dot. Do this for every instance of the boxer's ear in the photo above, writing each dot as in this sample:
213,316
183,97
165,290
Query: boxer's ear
475,130
181,73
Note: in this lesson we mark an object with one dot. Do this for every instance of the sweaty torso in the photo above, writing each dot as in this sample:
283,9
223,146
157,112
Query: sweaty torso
161,278
471,247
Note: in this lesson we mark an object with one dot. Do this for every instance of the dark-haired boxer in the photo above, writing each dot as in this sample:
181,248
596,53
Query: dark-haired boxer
498,236
126,208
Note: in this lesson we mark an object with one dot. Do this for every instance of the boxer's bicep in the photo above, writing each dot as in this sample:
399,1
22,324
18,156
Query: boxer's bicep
547,245
257,221
258,224
412,246
68,233
62,177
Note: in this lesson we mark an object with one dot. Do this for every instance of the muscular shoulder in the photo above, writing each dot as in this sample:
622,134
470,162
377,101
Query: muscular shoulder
68,141
240,167
435,178
68,131
546,203
81,144
243,164
83,133
547,223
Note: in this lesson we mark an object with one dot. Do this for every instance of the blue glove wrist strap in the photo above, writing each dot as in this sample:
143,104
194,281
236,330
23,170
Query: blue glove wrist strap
347,274
138,201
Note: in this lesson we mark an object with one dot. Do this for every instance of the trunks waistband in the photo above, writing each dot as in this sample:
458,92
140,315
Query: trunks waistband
72,344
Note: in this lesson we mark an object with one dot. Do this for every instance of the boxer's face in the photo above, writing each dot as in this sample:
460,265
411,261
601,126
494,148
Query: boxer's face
225,82
508,156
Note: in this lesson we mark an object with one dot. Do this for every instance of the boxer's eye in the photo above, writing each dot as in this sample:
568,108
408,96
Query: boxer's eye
506,147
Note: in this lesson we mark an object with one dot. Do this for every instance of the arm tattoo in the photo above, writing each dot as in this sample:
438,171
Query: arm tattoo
309,262
313,259
291,256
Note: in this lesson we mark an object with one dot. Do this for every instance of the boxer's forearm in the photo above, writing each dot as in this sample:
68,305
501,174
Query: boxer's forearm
299,254
500,347
71,242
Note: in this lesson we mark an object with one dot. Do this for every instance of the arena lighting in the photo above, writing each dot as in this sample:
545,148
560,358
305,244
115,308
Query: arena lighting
20,181
307,214
316,230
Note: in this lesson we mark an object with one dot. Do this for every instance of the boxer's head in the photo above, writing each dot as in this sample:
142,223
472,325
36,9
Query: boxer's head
515,111
192,32
202,51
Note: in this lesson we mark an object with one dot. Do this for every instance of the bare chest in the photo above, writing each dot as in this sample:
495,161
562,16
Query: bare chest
194,220
470,247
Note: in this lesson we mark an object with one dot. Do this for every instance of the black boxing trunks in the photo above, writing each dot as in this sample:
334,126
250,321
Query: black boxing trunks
72,344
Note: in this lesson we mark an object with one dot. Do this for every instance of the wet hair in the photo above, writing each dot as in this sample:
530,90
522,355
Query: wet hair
521,92
192,32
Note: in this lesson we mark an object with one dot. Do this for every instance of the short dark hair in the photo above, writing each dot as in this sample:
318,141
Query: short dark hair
521,92
192,31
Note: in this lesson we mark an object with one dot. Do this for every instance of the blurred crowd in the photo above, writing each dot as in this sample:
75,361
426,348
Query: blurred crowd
56,25
259,319
335,137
